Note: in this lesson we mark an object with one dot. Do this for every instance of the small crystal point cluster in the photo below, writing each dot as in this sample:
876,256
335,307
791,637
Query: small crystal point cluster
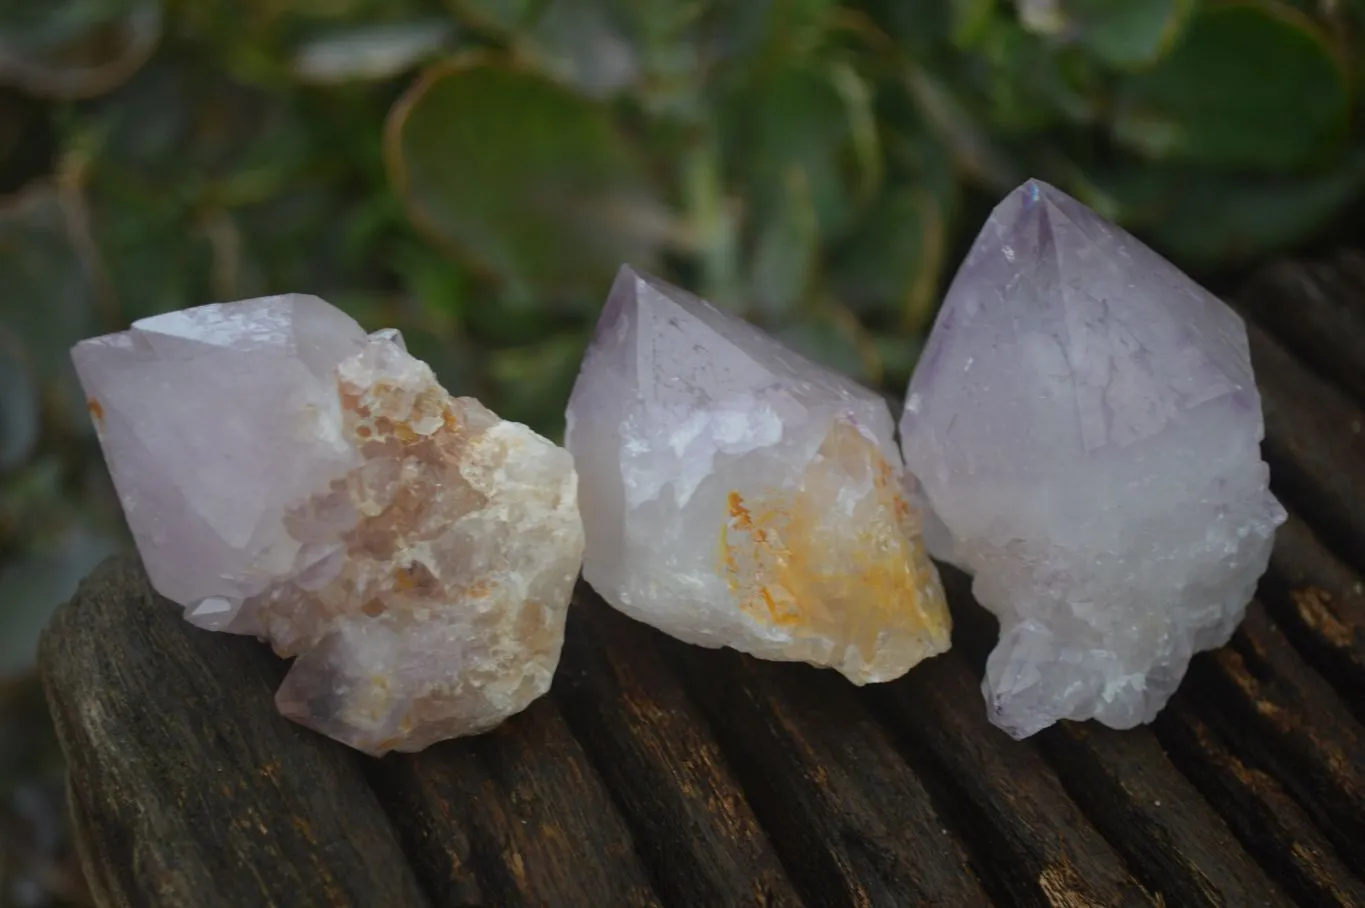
287,476
736,494
1086,428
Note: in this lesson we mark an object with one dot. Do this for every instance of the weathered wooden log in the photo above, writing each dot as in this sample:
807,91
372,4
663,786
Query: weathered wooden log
1320,604
1286,720
691,818
514,817
187,788
1266,819
1032,841
856,824
660,774
1315,445
1172,837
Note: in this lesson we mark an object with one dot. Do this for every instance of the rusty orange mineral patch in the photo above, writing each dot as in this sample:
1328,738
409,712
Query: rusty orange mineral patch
818,563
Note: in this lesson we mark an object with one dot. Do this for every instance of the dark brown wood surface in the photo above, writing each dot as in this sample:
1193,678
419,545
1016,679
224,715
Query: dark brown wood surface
660,774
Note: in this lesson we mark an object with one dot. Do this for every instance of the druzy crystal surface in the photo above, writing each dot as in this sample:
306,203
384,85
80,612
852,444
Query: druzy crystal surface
287,476
736,494
1086,428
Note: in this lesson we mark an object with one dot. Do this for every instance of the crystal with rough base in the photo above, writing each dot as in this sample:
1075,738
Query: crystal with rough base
736,494
1086,428
286,476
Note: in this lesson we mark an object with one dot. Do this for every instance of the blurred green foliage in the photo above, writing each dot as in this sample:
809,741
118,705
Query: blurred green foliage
473,171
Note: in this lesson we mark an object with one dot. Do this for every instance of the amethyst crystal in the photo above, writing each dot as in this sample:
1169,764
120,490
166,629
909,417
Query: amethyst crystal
736,494
1086,428
286,476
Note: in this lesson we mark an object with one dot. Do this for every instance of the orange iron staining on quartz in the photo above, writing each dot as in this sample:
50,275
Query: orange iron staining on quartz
845,576
773,569
424,497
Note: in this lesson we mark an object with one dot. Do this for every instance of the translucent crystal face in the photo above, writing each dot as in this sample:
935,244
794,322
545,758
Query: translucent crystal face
412,550
198,412
1086,428
736,494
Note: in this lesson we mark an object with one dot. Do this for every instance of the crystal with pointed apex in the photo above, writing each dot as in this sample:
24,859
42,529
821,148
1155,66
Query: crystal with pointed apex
736,494
1086,429
286,476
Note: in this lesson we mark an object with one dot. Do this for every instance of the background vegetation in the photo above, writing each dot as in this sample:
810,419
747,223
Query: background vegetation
473,171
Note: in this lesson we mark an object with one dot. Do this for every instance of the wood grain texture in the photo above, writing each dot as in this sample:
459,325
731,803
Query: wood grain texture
657,774
691,818
1174,839
1035,845
514,817
186,786
1318,310
1315,445
854,824
1261,813
1286,720
1319,603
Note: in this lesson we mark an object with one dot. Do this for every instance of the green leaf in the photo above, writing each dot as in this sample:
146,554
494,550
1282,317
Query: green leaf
797,120
919,27
604,48
974,150
441,287
1025,83
892,265
259,41
834,337
1249,85
786,251
1042,17
504,16
762,33
34,505
156,257
970,19
1129,33
451,357
898,355
531,384
75,48
665,53
370,52
203,188
211,138
521,178
1210,219
584,44
1124,34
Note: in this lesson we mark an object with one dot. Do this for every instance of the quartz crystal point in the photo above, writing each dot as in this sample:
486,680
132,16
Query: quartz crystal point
286,476
736,494
1086,429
